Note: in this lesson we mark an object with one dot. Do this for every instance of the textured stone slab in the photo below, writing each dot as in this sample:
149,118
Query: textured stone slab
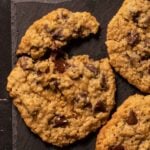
5,66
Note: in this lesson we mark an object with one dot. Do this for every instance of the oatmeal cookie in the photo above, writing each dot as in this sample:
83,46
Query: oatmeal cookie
129,128
61,99
128,42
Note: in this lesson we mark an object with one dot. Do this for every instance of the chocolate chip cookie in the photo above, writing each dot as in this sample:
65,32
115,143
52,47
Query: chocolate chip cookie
128,42
129,128
61,99
55,30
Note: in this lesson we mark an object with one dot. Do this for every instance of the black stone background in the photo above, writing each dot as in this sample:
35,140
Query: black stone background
13,132
5,66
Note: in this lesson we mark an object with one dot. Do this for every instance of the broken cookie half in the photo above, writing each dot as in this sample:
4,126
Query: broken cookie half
55,30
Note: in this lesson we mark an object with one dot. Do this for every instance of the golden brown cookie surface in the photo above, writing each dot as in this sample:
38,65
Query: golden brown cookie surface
55,30
62,100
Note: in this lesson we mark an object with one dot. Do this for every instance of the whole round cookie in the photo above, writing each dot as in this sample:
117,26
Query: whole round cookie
55,30
129,128
128,42
61,99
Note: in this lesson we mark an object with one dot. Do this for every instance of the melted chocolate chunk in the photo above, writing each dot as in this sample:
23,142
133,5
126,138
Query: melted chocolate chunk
60,65
34,47
53,85
130,60
83,100
47,70
46,55
132,120
99,107
56,34
87,104
146,56
135,16
59,121
35,114
47,87
117,147
39,73
132,38
103,84
92,68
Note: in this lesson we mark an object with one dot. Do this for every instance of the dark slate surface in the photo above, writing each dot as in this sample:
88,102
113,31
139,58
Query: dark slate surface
23,14
5,47
5,66
5,125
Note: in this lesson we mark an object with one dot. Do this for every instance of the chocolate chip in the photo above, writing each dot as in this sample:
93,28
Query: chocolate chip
99,107
82,100
46,55
47,70
117,147
59,121
60,65
130,60
53,84
146,56
133,58
39,73
47,87
35,113
87,104
34,47
56,34
68,136
135,16
92,68
103,84
132,38
78,77
132,120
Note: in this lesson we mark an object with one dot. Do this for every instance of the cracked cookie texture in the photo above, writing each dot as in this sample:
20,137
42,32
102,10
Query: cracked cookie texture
55,30
129,128
62,99
128,43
